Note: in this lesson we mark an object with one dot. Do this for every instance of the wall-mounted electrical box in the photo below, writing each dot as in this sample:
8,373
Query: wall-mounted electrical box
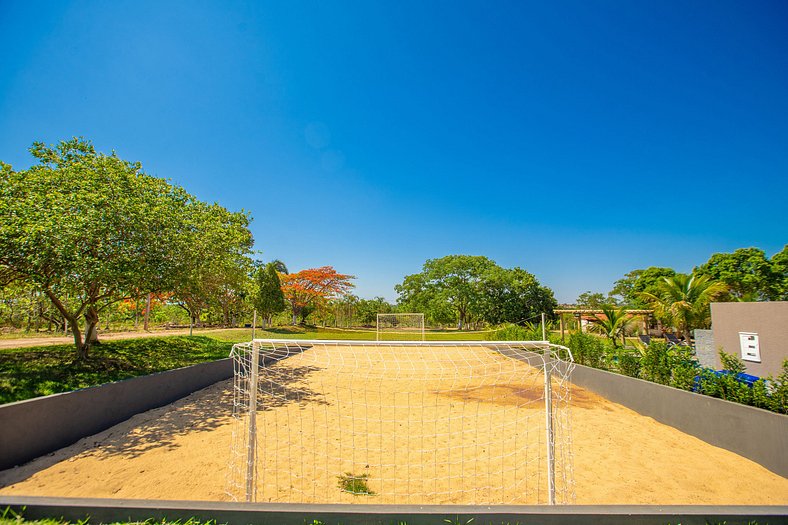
750,349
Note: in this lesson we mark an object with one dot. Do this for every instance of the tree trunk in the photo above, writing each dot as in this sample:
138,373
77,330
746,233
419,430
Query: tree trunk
91,329
147,313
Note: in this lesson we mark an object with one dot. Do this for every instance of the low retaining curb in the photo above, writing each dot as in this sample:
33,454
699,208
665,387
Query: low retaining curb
114,510
754,433
34,427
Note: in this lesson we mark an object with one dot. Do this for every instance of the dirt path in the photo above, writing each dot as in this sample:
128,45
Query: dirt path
24,342
315,427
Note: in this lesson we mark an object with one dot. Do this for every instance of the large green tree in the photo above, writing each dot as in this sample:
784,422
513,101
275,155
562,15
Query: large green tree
466,289
637,282
747,272
514,296
454,281
89,229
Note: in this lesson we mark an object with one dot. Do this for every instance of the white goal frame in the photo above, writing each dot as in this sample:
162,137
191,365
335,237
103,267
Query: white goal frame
249,358
419,328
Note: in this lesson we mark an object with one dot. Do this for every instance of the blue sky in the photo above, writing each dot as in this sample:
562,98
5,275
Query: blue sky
578,140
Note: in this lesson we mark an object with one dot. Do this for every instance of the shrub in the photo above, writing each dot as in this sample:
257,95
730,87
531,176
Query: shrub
588,350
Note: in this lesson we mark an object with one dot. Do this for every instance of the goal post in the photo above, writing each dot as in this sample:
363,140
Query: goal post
400,326
442,422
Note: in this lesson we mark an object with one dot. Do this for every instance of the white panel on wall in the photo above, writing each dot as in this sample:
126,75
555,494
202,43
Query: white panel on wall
750,348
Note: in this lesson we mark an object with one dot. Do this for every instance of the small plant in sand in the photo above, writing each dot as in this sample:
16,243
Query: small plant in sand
355,484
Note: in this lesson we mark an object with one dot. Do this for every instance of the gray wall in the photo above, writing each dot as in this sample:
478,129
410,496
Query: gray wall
757,434
705,350
32,428
114,510
768,319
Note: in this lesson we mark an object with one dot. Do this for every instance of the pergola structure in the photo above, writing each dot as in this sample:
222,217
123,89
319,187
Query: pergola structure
578,313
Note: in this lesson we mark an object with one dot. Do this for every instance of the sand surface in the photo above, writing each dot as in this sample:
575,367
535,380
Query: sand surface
407,427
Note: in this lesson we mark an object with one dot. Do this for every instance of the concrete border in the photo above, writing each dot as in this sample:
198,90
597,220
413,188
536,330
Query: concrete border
114,510
34,427
756,434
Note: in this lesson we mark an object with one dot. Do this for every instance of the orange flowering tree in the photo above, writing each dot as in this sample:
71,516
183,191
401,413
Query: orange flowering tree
313,287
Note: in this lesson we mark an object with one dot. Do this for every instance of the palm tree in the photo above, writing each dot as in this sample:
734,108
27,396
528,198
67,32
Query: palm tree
613,322
683,300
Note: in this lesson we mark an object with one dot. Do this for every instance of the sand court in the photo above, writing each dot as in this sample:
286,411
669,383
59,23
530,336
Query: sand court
404,425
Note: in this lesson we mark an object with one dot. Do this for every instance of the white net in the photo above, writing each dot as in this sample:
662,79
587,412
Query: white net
403,326
402,422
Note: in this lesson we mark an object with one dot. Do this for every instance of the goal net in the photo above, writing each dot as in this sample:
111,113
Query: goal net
400,327
405,422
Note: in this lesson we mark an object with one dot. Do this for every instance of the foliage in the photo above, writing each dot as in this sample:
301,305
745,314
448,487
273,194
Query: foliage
588,350
594,301
313,287
40,371
676,366
514,332
515,296
473,289
612,322
453,280
746,272
367,310
355,484
268,296
637,282
780,270
88,230
671,365
682,301
217,267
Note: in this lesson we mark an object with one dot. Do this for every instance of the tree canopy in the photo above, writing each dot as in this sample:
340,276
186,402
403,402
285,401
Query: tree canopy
747,272
313,287
89,229
468,289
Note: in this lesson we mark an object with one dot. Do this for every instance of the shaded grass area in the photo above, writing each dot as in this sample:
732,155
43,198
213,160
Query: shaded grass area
40,371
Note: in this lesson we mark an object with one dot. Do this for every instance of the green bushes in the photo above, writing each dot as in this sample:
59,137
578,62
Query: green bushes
677,367
589,350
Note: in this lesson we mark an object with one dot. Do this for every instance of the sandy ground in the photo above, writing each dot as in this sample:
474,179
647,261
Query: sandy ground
408,428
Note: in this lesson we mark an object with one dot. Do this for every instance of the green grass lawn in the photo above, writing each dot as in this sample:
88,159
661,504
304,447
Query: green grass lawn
42,370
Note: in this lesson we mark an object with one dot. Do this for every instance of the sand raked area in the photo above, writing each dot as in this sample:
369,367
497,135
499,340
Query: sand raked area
458,426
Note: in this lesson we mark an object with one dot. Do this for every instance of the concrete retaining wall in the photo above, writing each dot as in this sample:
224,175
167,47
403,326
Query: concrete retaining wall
108,511
32,428
757,434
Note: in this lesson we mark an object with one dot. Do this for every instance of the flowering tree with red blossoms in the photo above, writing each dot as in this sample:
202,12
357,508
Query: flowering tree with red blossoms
313,287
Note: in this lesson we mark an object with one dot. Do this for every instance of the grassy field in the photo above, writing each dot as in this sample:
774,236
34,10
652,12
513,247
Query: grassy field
38,371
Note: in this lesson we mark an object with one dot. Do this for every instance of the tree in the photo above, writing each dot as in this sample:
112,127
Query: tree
466,289
612,322
682,301
268,297
592,301
367,310
514,296
453,281
637,282
89,229
747,273
309,288
780,270
215,264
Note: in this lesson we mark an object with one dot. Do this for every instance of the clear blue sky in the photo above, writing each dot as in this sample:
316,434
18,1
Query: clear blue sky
578,140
